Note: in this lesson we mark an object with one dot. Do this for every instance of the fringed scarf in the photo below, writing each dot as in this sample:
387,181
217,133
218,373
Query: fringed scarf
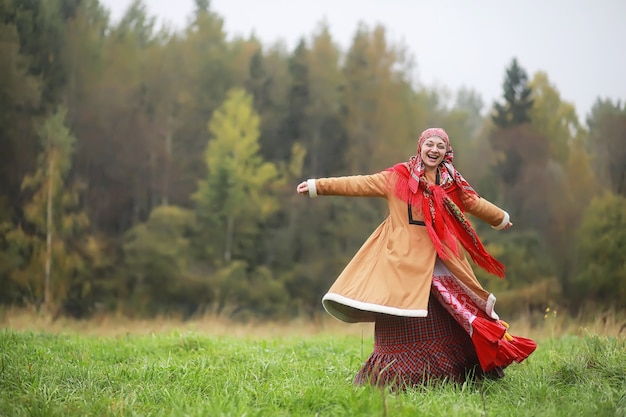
443,216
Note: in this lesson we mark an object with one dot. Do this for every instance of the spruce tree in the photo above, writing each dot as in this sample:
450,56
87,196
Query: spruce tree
234,196
517,98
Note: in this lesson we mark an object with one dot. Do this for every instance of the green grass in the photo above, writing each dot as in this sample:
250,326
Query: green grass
191,374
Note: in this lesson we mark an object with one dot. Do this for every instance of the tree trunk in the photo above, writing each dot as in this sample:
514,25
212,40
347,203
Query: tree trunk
47,290
165,189
315,152
230,230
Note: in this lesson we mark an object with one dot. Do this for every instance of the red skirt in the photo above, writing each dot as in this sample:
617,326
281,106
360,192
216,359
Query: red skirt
456,340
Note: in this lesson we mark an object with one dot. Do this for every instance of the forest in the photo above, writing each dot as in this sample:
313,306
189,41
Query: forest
148,171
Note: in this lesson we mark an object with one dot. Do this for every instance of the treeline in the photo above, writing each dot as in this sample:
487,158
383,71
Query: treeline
148,171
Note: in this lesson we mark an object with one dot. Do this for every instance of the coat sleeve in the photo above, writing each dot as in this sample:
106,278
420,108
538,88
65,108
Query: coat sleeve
375,185
486,211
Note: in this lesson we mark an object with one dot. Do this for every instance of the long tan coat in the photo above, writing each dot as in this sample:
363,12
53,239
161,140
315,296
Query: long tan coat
392,272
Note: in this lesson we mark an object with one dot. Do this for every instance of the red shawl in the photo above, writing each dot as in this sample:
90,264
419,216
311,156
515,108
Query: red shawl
442,208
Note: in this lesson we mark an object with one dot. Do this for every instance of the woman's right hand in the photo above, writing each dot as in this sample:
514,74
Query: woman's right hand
303,188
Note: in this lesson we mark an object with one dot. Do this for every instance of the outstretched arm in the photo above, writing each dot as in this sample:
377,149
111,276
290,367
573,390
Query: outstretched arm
375,185
488,212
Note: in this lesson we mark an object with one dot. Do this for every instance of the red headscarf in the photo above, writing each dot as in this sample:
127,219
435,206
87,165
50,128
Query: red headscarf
442,205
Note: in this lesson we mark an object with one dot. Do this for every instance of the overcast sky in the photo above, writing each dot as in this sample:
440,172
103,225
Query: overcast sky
580,44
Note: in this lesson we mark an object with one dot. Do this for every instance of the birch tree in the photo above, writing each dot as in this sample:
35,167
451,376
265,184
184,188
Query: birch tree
50,218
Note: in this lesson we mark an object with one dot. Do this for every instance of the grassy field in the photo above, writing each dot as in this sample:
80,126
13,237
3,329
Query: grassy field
158,368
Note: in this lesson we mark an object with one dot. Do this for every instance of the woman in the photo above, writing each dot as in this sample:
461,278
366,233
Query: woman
433,320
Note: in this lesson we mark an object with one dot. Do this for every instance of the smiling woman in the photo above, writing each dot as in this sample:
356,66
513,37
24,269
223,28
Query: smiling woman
433,319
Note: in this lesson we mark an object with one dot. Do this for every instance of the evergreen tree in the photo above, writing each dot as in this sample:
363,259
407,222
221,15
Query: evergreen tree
607,140
19,100
326,148
202,6
234,196
380,116
206,74
517,98
41,26
514,137
299,94
262,82
138,24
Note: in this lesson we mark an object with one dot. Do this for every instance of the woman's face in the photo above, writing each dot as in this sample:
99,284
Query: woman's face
432,152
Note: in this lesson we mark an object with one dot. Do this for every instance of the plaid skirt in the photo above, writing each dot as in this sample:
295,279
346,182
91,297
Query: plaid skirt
455,341
410,351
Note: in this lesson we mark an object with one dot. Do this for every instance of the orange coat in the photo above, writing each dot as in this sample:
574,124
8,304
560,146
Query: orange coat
392,272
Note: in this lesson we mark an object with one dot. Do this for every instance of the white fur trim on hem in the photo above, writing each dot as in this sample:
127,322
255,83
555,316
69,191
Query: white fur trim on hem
504,222
331,298
312,188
